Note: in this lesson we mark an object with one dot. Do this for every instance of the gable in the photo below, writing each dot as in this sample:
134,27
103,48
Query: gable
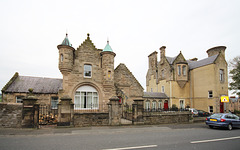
124,78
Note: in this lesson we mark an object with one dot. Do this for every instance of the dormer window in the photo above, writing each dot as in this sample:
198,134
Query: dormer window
87,71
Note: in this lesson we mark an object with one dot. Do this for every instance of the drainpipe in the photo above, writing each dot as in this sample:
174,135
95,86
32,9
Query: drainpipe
170,93
191,101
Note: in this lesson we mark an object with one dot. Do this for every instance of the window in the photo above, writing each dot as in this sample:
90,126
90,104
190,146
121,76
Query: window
163,74
151,90
19,99
163,90
221,71
147,105
88,71
154,105
61,57
210,94
160,104
54,102
86,97
182,105
210,109
109,73
184,72
179,70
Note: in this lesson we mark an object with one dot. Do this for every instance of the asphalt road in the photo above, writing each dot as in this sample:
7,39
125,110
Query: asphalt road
166,137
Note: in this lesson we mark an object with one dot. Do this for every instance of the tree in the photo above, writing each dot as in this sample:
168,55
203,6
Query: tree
235,75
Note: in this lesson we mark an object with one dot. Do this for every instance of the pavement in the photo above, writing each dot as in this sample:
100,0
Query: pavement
69,130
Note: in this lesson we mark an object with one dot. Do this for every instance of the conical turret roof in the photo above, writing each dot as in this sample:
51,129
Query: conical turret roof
107,48
66,41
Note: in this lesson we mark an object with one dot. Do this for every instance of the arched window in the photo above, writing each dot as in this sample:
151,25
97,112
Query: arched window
147,105
86,97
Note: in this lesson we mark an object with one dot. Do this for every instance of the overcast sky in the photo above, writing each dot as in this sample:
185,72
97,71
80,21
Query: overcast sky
31,30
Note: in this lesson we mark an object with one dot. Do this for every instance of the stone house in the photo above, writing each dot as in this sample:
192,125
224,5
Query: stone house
89,79
189,83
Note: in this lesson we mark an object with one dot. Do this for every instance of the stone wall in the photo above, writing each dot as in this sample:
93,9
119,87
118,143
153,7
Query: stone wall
11,115
166,117
90,119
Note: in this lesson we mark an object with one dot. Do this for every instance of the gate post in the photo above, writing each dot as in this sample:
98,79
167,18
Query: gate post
138,112
30,112
115,111
65,111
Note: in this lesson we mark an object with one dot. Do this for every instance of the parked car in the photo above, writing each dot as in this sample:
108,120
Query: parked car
226,120
202,113
193,111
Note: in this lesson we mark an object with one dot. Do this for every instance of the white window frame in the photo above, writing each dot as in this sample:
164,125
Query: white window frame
183,100
210,110
86,98
87,71
160,105
184,70
154,105
147,105
61,57
210,95
19,99
54,102
221,75
179,69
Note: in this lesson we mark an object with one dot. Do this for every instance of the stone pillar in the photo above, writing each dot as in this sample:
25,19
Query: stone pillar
115,111
30,112
138,112
65,111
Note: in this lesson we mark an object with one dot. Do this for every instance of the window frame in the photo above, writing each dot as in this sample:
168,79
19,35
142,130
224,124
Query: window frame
54,100
210,109
19,99
163,89
179,70
184,70
85,71
82,97
210,95
221,75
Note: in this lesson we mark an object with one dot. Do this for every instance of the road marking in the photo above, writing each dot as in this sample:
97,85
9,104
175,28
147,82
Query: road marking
215,140
137,147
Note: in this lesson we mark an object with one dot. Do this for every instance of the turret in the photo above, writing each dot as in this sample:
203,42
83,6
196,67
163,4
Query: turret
66,56
108,65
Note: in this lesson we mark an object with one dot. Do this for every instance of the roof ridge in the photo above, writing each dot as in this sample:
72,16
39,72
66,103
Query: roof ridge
41,77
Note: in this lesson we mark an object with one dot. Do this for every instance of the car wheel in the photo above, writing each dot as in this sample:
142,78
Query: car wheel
229,126
211,127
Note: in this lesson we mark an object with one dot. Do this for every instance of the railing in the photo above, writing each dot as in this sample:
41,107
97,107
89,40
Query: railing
89,108
164,109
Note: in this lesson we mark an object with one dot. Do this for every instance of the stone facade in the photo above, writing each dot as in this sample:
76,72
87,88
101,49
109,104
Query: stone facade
11,115
190,83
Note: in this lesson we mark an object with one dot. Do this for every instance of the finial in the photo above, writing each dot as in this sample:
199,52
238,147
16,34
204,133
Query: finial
88,34
108,40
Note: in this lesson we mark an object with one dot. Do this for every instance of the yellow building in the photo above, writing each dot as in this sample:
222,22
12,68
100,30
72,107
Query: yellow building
190,83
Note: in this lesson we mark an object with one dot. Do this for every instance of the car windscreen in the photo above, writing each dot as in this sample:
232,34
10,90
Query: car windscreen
216,116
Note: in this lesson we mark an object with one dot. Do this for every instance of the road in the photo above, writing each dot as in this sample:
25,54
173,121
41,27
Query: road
195,136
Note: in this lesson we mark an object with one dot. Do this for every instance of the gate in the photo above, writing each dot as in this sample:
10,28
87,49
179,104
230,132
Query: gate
47,115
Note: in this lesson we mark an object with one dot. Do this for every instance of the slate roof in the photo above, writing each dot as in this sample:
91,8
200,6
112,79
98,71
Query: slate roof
66,41
171,59
39,85
203,62
155,95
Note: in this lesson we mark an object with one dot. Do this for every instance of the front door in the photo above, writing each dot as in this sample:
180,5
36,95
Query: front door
221,107
166,105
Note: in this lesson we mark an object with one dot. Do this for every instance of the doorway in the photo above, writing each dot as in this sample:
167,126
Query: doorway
166,105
